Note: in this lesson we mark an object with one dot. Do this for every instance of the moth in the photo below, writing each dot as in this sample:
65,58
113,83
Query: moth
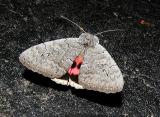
87,63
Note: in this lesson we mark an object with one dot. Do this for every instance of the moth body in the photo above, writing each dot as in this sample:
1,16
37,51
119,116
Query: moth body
75,68
94,67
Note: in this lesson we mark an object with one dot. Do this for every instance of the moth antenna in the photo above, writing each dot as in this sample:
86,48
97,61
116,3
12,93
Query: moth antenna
73,23
108,31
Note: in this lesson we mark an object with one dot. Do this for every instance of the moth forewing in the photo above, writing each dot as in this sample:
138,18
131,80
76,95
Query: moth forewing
104,75
51,59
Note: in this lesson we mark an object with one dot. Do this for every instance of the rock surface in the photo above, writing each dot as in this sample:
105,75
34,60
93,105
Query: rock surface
136,50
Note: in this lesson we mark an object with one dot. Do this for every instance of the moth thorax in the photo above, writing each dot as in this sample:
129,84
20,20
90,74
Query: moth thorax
88,40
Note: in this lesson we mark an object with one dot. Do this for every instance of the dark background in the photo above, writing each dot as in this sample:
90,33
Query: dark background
136,50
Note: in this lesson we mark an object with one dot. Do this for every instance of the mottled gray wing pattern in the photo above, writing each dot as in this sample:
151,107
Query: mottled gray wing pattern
51,59
100,72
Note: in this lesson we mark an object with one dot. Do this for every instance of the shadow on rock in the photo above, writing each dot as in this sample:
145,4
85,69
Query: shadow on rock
43,81
112,100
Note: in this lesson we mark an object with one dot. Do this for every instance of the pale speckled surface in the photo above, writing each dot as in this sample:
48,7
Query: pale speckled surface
136,52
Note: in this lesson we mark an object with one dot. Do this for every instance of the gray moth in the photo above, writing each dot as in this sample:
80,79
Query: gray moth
53,59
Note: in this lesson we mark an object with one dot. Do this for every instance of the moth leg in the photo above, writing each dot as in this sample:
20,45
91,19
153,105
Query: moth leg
60,81
75,85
